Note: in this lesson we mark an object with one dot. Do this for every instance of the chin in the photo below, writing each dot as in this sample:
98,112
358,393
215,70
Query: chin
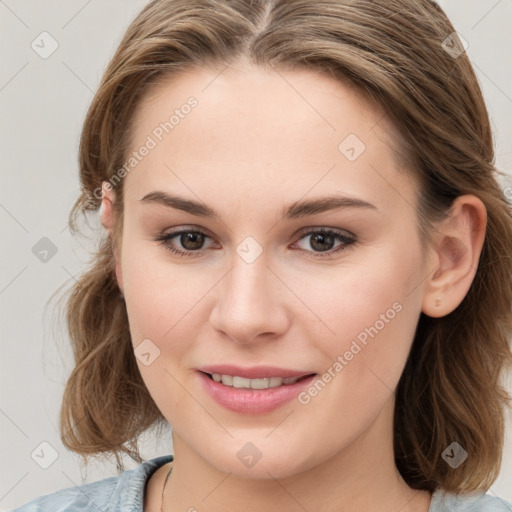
260,459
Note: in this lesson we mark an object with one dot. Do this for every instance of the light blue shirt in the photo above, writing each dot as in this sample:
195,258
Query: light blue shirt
125,493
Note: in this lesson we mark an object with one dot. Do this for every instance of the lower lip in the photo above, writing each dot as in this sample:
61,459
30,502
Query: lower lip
252,401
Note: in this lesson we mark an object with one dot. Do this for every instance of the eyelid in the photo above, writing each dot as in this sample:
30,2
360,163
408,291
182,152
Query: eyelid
299,234
164,236
348,241
314,229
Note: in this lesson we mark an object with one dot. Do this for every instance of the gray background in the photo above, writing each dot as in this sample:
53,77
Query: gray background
43,103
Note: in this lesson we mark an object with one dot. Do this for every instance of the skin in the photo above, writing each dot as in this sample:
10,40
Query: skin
253,145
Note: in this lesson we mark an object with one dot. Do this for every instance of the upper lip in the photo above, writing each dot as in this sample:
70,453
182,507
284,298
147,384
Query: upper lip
253,372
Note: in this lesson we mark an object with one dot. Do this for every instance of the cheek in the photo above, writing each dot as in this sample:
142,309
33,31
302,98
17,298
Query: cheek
369,313
158,294
163,321
374,321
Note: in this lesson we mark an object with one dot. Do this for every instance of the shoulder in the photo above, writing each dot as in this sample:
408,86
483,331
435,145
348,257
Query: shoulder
84,497
448,502
120,493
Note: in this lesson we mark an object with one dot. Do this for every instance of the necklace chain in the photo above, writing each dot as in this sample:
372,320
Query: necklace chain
163,490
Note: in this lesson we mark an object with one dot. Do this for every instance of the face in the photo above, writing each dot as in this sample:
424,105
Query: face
261,286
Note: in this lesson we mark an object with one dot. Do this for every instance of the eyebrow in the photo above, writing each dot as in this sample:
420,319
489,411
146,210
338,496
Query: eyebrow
296,210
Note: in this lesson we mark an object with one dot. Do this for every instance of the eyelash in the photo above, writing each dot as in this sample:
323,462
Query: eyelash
347,242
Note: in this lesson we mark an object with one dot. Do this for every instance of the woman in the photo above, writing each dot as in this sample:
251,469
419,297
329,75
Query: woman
306,267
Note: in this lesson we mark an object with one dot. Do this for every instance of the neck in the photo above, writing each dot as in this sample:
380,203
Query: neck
361,476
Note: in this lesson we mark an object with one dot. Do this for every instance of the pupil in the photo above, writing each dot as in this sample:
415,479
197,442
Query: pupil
191,241
323,239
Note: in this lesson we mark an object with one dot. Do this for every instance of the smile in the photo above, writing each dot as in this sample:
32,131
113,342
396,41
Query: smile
256,390
263,383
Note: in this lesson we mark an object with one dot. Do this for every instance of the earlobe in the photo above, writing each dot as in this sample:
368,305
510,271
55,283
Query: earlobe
455,253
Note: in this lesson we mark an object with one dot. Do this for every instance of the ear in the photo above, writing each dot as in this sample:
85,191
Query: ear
108,198
455,253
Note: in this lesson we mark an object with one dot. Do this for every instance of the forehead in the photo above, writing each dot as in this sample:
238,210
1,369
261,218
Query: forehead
262,130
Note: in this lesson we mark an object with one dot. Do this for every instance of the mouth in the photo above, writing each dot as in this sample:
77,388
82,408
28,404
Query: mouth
238,382
254,390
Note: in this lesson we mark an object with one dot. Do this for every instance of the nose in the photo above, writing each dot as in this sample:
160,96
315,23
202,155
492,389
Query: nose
250,304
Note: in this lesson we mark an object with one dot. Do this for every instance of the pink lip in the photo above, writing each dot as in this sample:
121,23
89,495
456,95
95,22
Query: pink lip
255,372
253,401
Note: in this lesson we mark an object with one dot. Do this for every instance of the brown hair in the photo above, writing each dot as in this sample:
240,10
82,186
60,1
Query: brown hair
392,52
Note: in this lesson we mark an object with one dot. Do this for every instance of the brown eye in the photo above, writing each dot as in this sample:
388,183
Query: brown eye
324,240
192,240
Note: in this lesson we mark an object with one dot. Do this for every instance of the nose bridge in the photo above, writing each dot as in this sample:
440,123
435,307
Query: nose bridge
248,282
248,305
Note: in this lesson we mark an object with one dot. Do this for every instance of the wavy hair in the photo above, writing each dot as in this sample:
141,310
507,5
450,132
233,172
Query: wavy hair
394,53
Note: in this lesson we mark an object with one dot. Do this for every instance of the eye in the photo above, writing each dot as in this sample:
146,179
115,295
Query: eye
191,240
323,240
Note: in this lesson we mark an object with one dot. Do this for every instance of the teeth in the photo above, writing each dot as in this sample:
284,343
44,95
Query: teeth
260,383
227,380
275,381
264,383
240,382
